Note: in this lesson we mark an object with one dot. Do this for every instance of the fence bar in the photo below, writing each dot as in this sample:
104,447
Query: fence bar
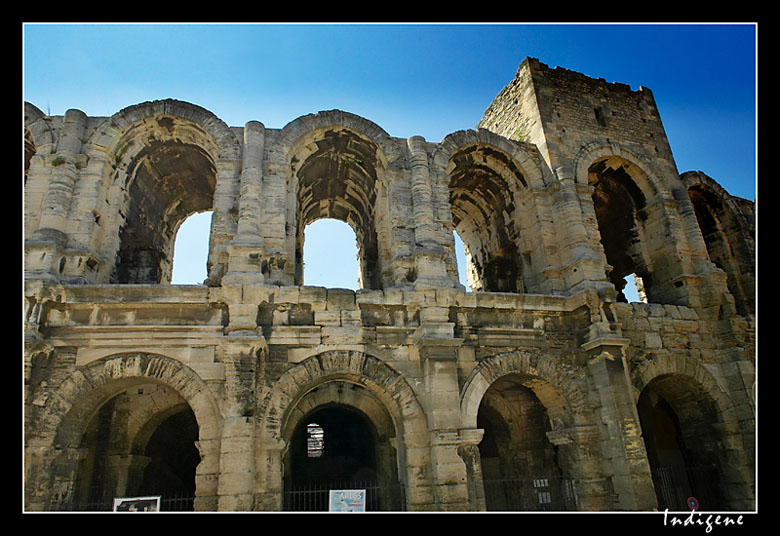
314,497
543,494
674,485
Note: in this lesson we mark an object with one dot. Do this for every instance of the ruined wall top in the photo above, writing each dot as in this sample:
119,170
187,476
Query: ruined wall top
561,111
105,196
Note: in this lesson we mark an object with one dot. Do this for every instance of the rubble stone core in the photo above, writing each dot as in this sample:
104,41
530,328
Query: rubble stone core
541,375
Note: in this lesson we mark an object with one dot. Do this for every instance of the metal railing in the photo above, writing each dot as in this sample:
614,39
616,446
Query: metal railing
315,497
170,502
543,494
675,485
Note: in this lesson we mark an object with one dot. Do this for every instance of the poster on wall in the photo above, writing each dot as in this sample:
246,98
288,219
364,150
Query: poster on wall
347,500
137,504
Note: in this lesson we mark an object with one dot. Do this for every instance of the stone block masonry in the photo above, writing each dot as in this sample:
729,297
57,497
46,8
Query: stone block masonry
534,385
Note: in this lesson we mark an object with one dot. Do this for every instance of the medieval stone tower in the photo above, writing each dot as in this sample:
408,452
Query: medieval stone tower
541,388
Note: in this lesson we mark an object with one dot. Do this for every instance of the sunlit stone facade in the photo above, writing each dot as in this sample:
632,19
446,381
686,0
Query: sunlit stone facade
539,388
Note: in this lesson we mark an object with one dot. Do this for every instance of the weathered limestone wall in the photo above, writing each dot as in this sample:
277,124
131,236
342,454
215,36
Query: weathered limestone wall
542,348
562,112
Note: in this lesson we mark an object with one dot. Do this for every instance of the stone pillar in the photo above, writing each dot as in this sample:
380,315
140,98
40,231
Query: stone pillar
580,457
207,476
664,241
236,465
429,255
244,346
243,359
438,358
469,453
736,436
37,478
85,264
581,262
56,205
64,472
223,219
246,251
250,200
46,247
622,443
269,471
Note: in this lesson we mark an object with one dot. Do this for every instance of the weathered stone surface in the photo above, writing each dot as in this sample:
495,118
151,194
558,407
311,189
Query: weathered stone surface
540,374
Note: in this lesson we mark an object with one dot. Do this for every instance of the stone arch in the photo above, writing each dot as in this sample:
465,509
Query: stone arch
728,231
643,172
69,408
332,392
709,429
294,132
638,227
489,178
523,158
532,413
163,161
559,390
707,384
698,178
148,422
386,396
38,137
110,136
334,166
358,444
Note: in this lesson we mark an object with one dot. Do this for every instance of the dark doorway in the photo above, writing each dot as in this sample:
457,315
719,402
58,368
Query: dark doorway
174,459
335,447
520,467
681,464
121,460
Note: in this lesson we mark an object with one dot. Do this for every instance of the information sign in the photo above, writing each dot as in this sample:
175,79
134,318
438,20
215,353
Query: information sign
347,500
137,504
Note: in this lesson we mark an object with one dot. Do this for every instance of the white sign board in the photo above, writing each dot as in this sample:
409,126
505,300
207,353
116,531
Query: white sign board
137,504
347,500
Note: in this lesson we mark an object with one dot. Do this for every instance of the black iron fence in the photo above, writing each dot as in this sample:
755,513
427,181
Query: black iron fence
315,497
172,502
674,486
544,494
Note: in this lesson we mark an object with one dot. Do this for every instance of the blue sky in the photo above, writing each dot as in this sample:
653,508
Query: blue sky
421,79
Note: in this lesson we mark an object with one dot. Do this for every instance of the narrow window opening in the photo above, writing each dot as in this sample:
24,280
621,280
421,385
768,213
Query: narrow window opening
315,440
330,255
462,261
599,116
191,250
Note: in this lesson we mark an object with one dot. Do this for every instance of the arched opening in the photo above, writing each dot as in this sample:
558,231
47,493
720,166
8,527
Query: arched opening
483,206
336,176
337,447
166,182
725,244
620,212
520,466
191,250
679,429
330,255
141,442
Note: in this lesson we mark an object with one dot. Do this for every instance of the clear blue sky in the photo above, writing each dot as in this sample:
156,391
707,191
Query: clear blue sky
427,80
